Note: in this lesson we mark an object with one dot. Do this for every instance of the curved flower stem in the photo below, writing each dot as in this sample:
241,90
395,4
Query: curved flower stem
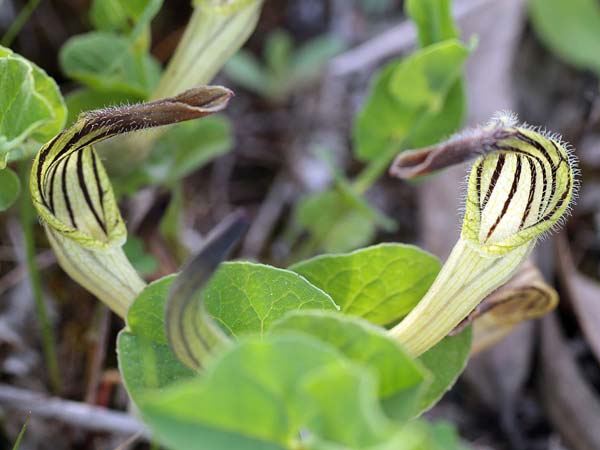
192,333
465,279
212,36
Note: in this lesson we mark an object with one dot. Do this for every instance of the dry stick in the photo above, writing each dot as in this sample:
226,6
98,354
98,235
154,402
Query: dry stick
129,442
91,418
43,260
99,352
19,22
267,216
389,43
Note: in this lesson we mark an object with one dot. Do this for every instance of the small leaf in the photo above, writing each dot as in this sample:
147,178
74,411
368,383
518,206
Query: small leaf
445,362
186,147
146,317
123,15
145,359
278,52
147,365
400,378
570,29
247,297
381,283
413,102
433,19
10,188
245,70
108,62
334,224
31,106
144,263
171,225
310,59
340,219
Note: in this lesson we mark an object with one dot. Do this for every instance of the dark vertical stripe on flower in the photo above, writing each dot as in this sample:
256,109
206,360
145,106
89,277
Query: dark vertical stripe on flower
494,179
86,194
511,194
532,186
65,192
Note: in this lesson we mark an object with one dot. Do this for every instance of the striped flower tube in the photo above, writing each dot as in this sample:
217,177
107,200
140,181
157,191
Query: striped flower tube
520,187
193,334
74,198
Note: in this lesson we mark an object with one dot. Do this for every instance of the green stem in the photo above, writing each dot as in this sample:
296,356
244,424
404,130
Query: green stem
27,219
18,23
212,36
375,169
465,280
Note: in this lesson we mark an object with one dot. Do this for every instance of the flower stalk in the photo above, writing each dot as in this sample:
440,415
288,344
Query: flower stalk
217,29
519,188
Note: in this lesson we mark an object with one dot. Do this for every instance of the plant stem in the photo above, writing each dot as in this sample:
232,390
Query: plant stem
375,169
465,280
27,218
24,427
18,23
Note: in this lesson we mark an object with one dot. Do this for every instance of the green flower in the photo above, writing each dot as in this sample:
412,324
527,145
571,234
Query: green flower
520,186
74,198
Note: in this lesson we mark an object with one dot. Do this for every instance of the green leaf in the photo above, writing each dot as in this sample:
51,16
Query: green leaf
31,106
348,412
570,29
146,361
10,188
243,297
82,100
181,150
445,361
110,63
335,225
186,147
144,263
245,70
340,219
409,102
312,56
146,316
123,15
400,378
170,226
433,19
246,297
381,283
148,365
265,375
278,52
422,435
283,385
